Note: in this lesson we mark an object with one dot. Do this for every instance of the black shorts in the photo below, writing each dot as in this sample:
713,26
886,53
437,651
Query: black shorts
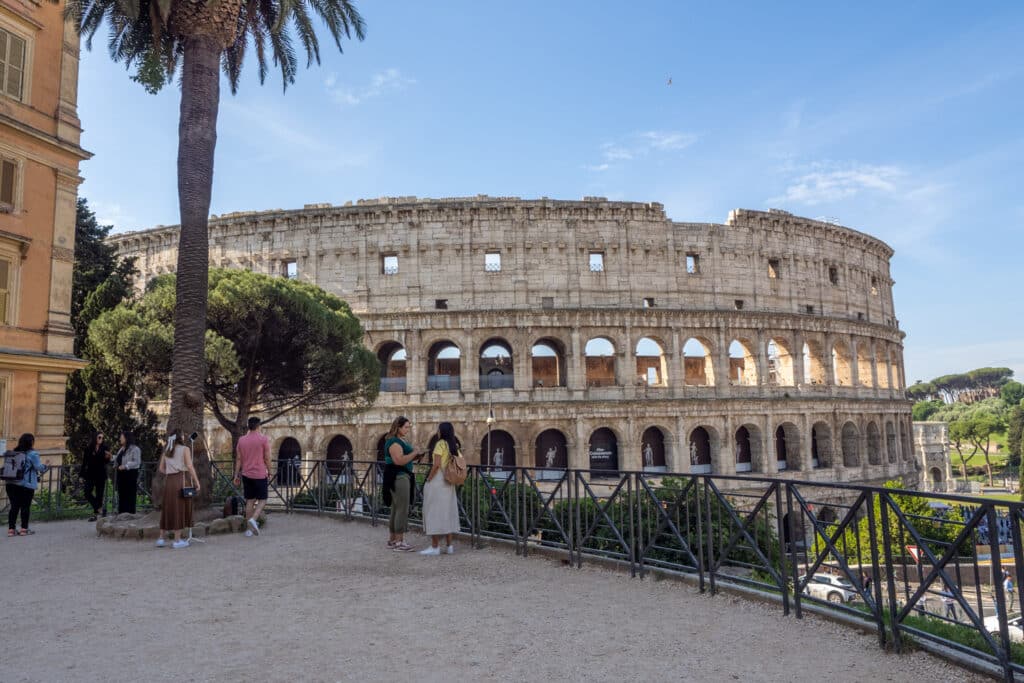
254,489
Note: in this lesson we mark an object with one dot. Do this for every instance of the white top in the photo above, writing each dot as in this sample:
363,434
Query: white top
175,462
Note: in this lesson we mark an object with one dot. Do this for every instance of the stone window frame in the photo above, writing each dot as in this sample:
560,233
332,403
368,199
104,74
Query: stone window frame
874,285
774,268
286,268
384,269
17,186
599,263
696,263
492,265
12,251
25,32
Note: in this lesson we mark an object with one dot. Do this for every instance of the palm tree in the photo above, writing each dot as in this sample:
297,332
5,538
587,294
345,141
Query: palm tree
204,36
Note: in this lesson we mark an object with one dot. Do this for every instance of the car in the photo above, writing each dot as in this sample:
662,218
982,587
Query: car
1015,627
829,587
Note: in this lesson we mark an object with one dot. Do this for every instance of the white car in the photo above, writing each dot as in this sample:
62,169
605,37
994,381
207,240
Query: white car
1015,626
832,588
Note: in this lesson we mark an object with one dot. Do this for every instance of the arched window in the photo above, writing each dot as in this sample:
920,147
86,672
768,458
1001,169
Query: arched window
842,374
604,453
742,364
821,446
548,360
289,463
393,367
498,453
444,367
874,445
814,368
339,455
600,362
650,363
787,447
551,454
698,368
743,458
851,445
496,365
700,451
780,363
652,450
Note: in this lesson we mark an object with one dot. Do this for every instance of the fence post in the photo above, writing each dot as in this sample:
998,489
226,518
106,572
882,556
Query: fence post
711,533
779,522
894,625
873,540
792,550
701,563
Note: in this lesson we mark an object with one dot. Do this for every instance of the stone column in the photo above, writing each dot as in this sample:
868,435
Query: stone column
469,363
674,362
854,362
625,364
827,362
681,451
416,363
797,353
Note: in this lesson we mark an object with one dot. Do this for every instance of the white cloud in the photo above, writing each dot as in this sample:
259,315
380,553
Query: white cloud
827,182
112,213
668,140
389,80
597,167
636,146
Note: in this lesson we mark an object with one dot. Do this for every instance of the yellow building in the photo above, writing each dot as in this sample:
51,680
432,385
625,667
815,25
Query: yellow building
39,157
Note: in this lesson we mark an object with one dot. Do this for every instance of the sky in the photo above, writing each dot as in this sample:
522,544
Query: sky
903,120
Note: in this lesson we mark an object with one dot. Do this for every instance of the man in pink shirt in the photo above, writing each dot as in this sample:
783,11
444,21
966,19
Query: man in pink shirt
252,467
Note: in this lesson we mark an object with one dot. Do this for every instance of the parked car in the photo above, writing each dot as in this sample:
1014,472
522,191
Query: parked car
1015,626
832,588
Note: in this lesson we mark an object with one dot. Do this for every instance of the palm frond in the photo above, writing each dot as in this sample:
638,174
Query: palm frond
284,56
307,34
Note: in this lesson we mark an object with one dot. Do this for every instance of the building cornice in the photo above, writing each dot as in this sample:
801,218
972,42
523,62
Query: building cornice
40,362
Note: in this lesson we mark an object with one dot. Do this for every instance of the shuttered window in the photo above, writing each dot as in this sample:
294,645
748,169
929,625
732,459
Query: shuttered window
5,288
12,64
8,171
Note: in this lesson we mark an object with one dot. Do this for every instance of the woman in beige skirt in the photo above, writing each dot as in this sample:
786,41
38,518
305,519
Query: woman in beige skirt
440,508
176,512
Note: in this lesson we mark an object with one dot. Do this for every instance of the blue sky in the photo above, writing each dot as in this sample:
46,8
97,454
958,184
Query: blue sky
903,120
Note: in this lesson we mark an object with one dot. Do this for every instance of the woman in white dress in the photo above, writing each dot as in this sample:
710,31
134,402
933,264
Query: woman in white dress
440,508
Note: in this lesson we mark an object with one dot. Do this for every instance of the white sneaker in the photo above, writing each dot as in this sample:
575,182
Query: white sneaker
430,551
248,533
450,550
161,543
180,544
255,526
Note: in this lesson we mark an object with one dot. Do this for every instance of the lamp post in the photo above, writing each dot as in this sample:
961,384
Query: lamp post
490,421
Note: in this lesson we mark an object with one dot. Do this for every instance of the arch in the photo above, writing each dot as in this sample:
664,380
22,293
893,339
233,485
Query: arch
851,445
652,450
890,441
864,377
821,445
742,364
874,444
698,368
780,363
787,447
444,366
701,446
882,368
604,453
793,532
650,363
742,449
600,362
393,366
547,358
496,365
842,371
828,515
814,366
550,454
338,455
498,452
289,462
935,477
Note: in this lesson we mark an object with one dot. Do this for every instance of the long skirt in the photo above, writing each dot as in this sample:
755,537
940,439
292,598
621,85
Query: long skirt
176,512
440,509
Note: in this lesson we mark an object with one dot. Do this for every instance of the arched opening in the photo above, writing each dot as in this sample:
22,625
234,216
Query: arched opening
498,452
393,366
550,454
339,455
604,453
600,362
821,446
882,368
650,363
828,516
864,366
743,457
874,444
698,368
780,363
496,365
935,476
814,368
444,368
289,463
851,445
787,446
548,361
890,442
700,451
793,532
842,374
652,450
742,364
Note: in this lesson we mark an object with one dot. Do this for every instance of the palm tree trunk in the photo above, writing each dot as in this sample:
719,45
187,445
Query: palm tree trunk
197,141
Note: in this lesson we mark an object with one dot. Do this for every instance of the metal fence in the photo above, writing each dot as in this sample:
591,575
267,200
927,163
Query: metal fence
939,569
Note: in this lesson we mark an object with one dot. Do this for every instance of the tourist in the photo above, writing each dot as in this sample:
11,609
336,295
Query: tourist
127,461
20,493
399,483
950,604
94,473
176,511
440,509
1008,589
252,469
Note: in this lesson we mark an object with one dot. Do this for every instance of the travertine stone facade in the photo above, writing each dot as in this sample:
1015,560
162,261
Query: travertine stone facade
768,343
931,444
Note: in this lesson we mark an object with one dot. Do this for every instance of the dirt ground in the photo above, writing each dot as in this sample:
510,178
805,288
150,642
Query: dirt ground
320,600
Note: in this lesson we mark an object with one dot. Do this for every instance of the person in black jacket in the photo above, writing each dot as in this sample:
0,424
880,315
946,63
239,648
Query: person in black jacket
94,473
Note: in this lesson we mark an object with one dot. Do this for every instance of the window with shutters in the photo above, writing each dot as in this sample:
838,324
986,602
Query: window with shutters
5,288
8,184
12,65
10,264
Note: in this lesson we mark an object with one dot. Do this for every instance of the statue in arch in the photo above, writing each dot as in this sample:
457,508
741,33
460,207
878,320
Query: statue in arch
549,457
499,456
648,455
693,453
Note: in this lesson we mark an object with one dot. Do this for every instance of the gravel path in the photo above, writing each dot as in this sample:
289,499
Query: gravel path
320,600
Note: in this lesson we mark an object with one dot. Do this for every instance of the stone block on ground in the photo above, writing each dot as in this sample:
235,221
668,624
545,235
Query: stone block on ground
237,522
220,526
151,532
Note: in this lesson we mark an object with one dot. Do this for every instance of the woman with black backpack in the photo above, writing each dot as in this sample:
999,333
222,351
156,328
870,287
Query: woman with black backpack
21,492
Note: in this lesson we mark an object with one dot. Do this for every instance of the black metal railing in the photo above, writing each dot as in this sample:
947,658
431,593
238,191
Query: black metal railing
939,569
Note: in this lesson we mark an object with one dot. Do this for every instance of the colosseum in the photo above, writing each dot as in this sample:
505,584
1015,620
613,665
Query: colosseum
599,335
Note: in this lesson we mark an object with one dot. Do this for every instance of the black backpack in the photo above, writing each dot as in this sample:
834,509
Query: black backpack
234,505
15,464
